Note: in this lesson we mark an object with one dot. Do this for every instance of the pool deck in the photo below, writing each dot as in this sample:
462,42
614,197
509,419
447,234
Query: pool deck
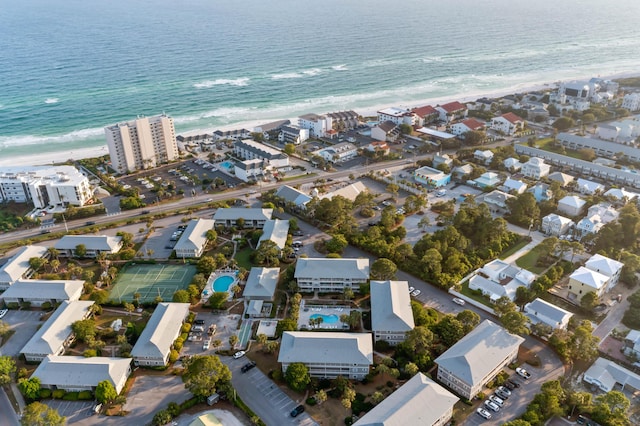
208,288
307,311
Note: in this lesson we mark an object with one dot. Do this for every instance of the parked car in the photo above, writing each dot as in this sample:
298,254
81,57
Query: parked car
248,366
199,322
239,354
411,289
458,301
505,390
491,405
297,244
509,385
514,383
502,395
3,312
523,373
206,345
416,293
298,233
497,400
483,413
297,411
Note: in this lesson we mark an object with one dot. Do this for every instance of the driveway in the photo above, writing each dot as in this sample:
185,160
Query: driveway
25,324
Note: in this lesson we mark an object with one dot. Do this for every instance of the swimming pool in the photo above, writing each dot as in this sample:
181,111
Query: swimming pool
222,283
227,165
327,319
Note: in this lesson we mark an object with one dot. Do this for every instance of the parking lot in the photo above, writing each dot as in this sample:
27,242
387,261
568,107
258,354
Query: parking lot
507,412
25,324
226,325
72,410
152,393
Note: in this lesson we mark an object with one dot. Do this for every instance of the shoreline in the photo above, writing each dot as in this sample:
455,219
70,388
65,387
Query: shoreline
47,158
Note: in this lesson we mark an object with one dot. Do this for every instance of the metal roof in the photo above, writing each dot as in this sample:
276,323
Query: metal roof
91,242
262,282
161,330
44,289
19,263
332,268
326,347
195,235
391,306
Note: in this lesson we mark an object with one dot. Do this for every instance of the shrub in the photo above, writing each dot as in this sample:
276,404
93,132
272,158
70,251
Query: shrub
311,401
173,356
389,384
70,396
44,393
186,327
85,395
348,421
58,394
46,306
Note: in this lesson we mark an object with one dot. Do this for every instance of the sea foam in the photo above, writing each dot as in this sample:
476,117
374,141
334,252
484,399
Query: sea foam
243,81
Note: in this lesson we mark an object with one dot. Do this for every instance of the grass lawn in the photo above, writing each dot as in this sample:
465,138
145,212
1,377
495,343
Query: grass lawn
548,145
243,257
472,295
297,177
529,262
514,248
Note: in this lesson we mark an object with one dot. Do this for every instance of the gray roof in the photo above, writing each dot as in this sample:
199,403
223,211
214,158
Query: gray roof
573,201
350,192
332,268
548,310
324,347
563,178
600,146
44,289
419,401
78,371
261,150
50,337
194,236
274,125
262,282
292,195
604,265
19,263
588,277
255,307
91,242
609,373
391,306
473,357
234,213
387,126
161,330
277,231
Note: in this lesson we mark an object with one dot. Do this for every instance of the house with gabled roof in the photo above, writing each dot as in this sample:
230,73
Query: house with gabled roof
350,192
253,218
556,225
477,358
483,156
331,275
508,123
292,195
512,164
498,279
583,280
396,115
193,240
378,147
420,401
597,216
589,187
386,131
452,111
77,373
606,266
562,178
439,159
513,186
56,334
37,292
328,354
261,283
467,125
486,180
94,245
541,311
541,192
275,230
425,115
497,201
154,344
18,265
607,376
621,194
391,313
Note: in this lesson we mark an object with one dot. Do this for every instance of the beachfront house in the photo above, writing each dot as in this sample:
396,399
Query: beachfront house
292,134
420,401
508,124
391,314
425,115
477,358
194,239
154,344
18,265
39,292
317,125
452,111
55,335
386,131
397,116
77,373
93,245
331,275
237,216
327,354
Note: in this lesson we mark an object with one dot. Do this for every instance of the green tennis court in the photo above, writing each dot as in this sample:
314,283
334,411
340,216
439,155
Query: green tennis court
151,281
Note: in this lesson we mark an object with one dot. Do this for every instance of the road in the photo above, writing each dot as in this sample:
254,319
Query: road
8,416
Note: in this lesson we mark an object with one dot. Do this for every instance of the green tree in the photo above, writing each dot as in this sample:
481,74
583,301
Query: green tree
422,315
411,369
7,370
84,329
162,417
181,296
563,123
321,396
474,137
80,250
261,338
450,330
267,254
203,374
39,414
297,376
611,408
211,236
377,397
337,244
105,392
36,263
503,306
129,307
233,340
289,149
468,319
4,328
383,269
286,324
583,345
523,210
515,322
348,396
218,299
206,265
406,129
29,387
589,301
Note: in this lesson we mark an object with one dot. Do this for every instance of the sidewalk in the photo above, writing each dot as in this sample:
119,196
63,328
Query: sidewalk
19,399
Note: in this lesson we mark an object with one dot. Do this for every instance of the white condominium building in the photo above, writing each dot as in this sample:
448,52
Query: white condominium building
44,186
142,143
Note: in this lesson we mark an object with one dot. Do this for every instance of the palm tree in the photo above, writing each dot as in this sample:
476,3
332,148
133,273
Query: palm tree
53,252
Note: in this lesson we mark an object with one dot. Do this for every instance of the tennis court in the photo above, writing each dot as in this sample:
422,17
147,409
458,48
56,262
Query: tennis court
151,281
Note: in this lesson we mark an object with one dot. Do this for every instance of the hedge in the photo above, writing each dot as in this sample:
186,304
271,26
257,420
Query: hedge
70,396
58,394
85,395
44,393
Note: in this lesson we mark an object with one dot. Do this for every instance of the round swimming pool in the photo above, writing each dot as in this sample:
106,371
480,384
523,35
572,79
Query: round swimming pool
222,283
328,319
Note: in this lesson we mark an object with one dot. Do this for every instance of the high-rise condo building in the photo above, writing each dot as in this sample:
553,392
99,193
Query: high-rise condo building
142,143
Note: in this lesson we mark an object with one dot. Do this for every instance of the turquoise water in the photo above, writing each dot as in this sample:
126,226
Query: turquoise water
227,165
222,283
326,319
71,67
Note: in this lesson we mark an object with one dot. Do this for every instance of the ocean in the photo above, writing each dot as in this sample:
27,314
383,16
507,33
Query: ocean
70,67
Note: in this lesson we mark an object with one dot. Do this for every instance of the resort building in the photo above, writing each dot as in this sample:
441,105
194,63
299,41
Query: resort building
391,313
584,280
452,111
45,186
338,153
606,375
556,225
508,124
250,150
609,267
425,115
420,401
498,279
56,334
385,131
18,265
318,125
344,120
294,135
261,283
275,230
142,143
77,373
477,358
431,177
154,344
290,195
93,245
251,218
571,205
235,134
541,311
535,168
331,275
396,116
327,354
467,125
193,240
37,292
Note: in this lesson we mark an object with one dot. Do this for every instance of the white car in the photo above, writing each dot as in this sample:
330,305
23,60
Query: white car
3,312
416,293
239,354
411,289
504,390
206,345
458,301
483,413
492,405
521,372
497,400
